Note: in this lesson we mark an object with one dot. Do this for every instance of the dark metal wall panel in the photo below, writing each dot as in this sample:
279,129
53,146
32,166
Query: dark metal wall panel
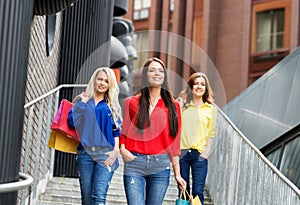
15,23
46,7
121,7
87,27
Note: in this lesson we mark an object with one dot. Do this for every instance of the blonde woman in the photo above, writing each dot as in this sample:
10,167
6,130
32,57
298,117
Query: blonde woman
96,116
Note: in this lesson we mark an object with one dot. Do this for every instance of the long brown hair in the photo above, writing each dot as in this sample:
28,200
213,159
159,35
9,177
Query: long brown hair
143,118
207,96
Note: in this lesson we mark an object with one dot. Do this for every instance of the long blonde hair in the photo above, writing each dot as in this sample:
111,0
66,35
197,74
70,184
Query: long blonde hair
111,94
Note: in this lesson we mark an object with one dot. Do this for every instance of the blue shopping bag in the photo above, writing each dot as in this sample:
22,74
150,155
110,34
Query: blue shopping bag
184,198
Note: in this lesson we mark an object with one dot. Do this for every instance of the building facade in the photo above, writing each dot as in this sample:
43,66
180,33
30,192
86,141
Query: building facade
243,39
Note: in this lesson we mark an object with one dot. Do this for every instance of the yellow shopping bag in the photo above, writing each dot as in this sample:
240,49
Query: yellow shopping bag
62,142
196,201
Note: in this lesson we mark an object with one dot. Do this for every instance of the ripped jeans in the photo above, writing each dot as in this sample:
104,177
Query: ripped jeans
94,179
146,179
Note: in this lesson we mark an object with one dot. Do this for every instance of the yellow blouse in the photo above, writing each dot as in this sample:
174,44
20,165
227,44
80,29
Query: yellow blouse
198,124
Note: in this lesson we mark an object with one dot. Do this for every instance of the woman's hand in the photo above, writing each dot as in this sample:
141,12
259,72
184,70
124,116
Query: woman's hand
112,156
80,96
84,97
181,182
205,154
181,101
126,155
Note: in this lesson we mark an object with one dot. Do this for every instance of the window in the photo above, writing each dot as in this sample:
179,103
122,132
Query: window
284,153
290,161
50,33
270,30
172,5
141,9
142,46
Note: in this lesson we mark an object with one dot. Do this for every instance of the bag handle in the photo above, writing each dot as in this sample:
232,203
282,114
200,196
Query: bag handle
185,193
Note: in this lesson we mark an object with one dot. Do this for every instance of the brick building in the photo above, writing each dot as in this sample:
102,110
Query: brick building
243,39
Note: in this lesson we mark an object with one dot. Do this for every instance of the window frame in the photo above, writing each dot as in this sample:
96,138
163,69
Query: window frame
140,11
281,144
267,6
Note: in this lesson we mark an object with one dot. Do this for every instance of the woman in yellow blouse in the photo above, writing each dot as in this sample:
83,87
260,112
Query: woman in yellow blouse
198,130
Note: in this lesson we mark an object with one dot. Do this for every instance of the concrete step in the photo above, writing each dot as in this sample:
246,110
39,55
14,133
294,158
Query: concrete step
66,191
54,203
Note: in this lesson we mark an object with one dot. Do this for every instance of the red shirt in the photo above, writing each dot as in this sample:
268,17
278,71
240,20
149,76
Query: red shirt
156,138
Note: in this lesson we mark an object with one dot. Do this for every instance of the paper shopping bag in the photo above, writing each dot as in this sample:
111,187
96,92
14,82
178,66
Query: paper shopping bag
196,201
184,198
62,143
60,121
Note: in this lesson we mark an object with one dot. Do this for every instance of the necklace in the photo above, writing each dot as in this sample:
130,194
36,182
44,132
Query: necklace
153,102
197,102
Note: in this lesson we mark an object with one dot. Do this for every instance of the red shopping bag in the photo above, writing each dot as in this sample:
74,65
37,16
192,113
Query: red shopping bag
60,121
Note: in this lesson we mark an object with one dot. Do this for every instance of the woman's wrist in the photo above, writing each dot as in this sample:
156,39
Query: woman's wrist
122,148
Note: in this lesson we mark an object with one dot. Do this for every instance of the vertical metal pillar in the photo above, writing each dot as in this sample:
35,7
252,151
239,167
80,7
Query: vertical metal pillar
15,24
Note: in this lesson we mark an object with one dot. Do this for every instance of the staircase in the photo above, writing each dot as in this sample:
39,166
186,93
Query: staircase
66,191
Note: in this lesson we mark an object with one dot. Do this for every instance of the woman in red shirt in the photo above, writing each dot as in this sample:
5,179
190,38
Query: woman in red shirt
150,138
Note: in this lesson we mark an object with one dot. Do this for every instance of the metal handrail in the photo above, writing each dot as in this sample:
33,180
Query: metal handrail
279,174
53,91
32,106
15,186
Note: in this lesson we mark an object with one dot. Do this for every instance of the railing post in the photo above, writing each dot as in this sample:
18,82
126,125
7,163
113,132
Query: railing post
38,148
53,150
48,130
48,123
27,146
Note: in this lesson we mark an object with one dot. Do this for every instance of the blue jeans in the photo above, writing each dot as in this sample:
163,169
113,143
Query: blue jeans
146,179
191,159
94,179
